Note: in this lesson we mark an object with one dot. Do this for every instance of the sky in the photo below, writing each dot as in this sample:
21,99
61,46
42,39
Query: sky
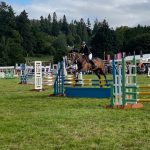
116,12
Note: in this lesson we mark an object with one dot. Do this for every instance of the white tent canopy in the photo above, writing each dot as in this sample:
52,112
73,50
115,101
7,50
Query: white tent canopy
145,58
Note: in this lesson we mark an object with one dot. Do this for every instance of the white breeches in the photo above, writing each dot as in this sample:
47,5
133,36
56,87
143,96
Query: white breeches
90,56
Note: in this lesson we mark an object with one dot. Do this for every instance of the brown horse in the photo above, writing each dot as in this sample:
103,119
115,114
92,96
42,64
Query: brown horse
83,64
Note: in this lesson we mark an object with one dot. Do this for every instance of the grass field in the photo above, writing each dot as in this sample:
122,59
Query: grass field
33,121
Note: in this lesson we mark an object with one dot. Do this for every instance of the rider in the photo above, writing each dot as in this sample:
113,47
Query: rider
87,52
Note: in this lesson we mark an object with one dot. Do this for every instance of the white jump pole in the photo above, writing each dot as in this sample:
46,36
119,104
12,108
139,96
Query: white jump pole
148,72
38,75
119,85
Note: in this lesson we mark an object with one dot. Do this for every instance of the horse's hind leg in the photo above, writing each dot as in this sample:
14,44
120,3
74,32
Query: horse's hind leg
101,72
104,76
97,74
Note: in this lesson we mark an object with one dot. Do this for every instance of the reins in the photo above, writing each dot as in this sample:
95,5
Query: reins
76,57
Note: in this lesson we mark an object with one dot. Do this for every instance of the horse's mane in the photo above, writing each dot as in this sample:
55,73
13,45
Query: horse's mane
74,50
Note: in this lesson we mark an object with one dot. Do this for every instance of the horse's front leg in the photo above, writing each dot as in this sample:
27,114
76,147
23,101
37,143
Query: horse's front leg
77,72
76,75
106,82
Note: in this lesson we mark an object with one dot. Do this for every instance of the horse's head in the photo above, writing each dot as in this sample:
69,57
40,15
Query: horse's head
73,58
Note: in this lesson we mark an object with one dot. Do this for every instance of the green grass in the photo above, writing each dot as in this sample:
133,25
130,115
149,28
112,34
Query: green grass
33,121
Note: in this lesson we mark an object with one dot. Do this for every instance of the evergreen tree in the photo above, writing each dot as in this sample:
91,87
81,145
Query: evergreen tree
96,27
64,27
82,30
60,45
77,41
70,40
104,40
4,54
46,24
89,31
7,20
24,28
139,43
49,24
120,33
8,37
55,25
11,51
72,28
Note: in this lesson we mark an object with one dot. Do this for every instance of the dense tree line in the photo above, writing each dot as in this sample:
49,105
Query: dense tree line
21,37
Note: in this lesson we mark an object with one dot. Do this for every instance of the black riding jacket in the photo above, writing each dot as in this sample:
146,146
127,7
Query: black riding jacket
85,50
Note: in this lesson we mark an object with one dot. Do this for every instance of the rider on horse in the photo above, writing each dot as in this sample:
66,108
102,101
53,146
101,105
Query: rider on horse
88,54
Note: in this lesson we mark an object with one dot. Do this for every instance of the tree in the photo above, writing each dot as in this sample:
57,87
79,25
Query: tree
120,33
12,51
46,24
10,40
55,25
49,24
24,28
104,40
4,57
70,40
7,20
72,28
139,43
82,30
64,27
77,41
89,31
60,45
96,27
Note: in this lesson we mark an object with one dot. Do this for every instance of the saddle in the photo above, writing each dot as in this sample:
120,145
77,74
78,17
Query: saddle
94,67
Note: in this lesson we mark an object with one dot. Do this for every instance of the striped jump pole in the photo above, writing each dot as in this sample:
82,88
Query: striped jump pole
131,80
49,80
116,91
86,82
143,100
59,81
129,83
124,92
38,75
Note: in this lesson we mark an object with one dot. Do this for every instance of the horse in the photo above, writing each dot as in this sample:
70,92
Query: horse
84,65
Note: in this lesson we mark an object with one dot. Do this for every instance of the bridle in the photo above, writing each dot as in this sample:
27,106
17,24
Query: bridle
75,57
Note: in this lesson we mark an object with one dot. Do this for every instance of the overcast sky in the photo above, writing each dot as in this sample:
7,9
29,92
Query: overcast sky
116,12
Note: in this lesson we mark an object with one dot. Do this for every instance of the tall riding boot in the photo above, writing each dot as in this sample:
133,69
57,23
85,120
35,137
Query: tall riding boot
93,64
